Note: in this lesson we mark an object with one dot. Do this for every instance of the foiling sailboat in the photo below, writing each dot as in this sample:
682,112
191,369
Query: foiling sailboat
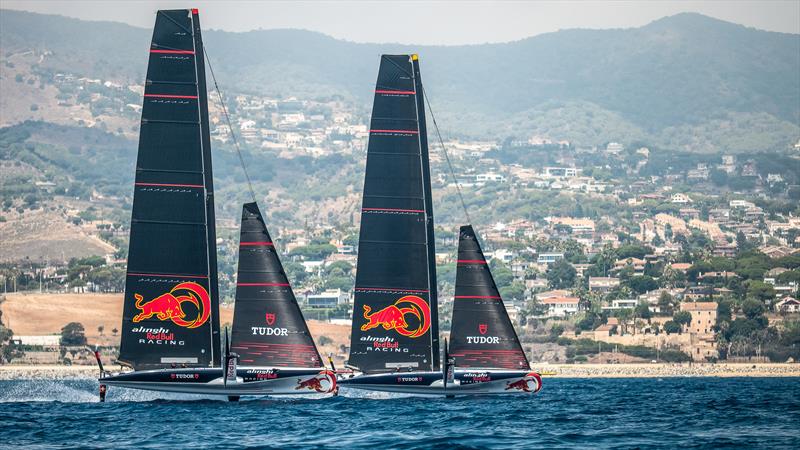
394,343
171,322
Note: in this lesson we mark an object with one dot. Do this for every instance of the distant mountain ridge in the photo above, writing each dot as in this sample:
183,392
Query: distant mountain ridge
685,81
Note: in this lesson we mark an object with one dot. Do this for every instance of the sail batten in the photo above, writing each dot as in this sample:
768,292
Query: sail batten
171,309
482,335
394,316
268,326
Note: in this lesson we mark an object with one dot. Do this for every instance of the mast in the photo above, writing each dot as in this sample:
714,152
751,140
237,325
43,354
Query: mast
171,299
429,236
211,231
394,318
482,334
268,326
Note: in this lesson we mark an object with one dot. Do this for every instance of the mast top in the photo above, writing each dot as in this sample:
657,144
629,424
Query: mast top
195,11
414,57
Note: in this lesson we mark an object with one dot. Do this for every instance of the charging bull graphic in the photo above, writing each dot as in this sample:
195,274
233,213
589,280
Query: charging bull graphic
524,384
393,317
324,382
169,306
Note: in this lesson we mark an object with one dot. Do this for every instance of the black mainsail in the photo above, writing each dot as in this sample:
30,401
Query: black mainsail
395,316
268,326
171,310
482,334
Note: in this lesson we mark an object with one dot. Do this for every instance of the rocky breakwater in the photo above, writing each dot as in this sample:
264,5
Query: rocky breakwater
668,370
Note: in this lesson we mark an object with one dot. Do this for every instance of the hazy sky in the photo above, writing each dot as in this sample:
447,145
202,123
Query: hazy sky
426,22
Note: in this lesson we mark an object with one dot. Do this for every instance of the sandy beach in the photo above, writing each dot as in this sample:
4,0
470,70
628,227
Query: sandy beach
55,372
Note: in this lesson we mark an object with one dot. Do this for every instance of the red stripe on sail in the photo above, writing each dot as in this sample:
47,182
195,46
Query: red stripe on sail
254,244
131,274
170,185
173,52
262,284
171,96
470,261
388,91
394,210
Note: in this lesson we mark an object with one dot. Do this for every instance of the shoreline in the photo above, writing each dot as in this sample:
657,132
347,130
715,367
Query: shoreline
589,371
665,370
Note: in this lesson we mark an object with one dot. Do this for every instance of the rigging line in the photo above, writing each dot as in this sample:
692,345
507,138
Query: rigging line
446,155
230,127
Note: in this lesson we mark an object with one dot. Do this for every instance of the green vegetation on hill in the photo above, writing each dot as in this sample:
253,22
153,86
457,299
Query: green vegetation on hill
686,81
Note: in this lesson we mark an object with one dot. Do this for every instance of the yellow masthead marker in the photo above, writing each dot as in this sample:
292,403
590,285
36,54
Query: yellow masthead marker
414,57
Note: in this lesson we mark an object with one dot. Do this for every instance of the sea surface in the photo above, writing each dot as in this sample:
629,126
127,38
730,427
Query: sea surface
567,413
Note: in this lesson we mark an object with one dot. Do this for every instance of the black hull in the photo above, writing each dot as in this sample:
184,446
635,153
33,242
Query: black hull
466,382
249,381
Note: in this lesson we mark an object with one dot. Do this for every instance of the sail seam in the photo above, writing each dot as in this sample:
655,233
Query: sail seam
166,275
366,289
168,222
399,197
372,241
399,210
176,83
179,122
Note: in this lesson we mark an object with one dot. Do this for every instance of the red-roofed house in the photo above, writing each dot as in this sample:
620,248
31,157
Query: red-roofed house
788,304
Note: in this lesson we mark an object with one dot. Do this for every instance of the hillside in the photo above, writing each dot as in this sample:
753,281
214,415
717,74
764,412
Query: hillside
686,81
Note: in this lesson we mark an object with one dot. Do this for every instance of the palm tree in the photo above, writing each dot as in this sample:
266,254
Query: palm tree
624,315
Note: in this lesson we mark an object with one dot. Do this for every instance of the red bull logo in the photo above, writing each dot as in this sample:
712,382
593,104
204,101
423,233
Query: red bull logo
393,317
323,382
531,382
169,306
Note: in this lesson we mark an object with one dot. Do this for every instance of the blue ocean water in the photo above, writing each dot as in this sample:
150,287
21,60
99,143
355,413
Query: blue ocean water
567,413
